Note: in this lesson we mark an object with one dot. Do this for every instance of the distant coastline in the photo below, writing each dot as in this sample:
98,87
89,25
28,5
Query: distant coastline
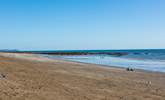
86,52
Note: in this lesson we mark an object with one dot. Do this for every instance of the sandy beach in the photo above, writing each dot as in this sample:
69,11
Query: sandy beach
28,77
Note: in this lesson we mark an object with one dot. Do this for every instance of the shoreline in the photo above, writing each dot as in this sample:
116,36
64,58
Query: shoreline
110,66
36,78
38,57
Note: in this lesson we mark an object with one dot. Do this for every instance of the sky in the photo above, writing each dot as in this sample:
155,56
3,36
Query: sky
82,24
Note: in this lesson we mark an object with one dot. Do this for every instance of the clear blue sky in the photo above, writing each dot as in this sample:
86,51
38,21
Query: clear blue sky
82,24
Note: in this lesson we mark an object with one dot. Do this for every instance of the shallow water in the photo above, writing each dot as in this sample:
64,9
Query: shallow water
151,60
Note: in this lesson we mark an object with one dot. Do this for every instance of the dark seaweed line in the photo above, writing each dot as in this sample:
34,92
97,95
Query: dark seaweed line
72,53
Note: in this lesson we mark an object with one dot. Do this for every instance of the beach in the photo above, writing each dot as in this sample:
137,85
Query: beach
30,77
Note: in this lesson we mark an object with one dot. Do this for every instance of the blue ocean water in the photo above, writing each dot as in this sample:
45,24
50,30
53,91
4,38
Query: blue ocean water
151,60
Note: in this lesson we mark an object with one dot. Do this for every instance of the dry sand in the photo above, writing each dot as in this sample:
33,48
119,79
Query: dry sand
26,77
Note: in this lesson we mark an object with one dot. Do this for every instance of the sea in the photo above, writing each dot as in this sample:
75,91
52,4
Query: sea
144,59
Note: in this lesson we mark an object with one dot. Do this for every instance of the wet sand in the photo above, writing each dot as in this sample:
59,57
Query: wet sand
27,77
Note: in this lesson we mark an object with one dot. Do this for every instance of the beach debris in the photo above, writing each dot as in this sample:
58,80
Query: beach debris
2,76
129,69
148,83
